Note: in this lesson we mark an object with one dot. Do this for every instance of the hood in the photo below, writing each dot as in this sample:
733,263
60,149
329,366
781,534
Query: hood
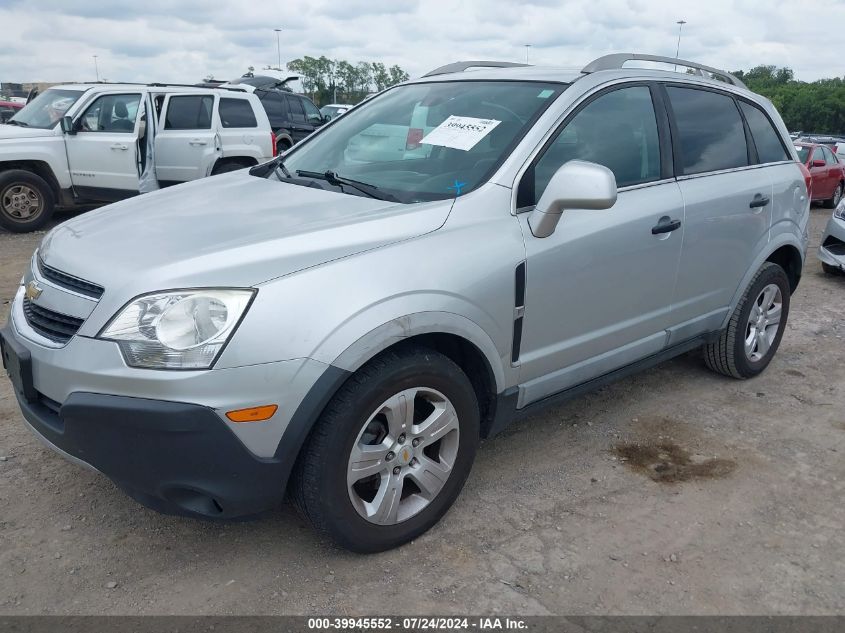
235,230
16,131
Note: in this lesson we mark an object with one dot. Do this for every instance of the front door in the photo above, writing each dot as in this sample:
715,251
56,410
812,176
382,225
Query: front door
186,145
299,124
599,289
103,154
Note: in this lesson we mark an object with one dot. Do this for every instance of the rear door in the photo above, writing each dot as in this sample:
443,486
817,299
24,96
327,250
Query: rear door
187,145
103,154
727,196
238,128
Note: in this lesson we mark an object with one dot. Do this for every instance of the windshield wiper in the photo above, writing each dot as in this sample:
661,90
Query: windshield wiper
13,122
280,167
339,181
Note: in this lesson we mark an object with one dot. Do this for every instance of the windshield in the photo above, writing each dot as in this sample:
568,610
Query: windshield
802,153
47,108
428,141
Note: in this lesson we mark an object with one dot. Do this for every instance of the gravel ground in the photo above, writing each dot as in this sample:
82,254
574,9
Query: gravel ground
564,513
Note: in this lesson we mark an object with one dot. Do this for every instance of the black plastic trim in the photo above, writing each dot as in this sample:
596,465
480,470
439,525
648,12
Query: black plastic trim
506,402
76,284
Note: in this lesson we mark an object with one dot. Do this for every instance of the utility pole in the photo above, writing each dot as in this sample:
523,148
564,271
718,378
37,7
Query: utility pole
96,68
680,24
278,49
527,48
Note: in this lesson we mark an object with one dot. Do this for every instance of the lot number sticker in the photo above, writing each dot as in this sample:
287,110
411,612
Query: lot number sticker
460,132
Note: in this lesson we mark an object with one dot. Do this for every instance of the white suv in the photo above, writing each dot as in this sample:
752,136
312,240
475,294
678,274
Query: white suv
81,144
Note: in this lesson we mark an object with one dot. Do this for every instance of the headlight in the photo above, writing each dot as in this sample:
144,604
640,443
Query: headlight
181,329
839,211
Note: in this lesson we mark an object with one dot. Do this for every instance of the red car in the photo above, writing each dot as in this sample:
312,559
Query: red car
8,109
827,174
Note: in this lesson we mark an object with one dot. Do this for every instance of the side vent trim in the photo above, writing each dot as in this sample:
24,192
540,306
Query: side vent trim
518,311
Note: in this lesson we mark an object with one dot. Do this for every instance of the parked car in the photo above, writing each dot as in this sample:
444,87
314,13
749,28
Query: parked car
78,144
348,331
827,173
292,116
832,249
8,109
334,110
840,152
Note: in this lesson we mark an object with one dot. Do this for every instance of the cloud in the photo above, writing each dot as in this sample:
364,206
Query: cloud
182,41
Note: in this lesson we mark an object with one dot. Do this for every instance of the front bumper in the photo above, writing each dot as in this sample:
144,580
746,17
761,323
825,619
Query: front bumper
832,248
162,436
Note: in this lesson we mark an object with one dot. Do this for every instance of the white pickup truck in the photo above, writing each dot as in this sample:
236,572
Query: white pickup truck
80,144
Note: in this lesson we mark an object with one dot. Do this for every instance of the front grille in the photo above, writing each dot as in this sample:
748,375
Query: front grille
55,326
834,246
69,281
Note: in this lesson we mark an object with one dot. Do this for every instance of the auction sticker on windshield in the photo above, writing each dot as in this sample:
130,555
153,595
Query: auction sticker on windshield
460,132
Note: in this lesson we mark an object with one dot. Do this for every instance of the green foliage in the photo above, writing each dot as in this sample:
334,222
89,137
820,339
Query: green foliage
818,106
336,80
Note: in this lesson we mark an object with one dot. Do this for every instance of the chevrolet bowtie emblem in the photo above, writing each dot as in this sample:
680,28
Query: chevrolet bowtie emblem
33,291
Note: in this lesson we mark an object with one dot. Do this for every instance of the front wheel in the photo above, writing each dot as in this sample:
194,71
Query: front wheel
26,201
391,452
746,347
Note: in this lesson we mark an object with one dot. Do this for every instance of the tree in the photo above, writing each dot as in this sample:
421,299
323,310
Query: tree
397,75
326,80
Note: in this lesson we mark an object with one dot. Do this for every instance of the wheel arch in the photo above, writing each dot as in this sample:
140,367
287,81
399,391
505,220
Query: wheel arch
246,161
38,167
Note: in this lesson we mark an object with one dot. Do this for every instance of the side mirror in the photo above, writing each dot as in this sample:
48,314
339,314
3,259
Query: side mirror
575,185
67,125
818,163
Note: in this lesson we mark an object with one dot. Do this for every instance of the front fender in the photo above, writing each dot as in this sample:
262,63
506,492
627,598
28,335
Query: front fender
406,326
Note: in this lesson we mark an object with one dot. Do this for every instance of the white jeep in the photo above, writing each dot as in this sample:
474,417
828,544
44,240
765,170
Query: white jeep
83,144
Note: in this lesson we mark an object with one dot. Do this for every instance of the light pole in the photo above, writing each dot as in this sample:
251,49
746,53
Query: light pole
680,24
527,48
278,49
96,68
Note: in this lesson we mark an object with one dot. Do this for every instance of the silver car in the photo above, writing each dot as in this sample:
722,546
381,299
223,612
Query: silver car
346,323
832,249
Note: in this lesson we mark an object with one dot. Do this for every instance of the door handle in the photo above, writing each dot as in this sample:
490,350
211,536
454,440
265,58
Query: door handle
665,226
120,146
197,141
759,201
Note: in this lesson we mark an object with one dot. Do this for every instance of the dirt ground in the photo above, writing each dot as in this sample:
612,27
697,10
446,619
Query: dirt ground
672,492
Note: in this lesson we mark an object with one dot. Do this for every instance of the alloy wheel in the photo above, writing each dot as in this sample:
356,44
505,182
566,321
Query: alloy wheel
403,456
763,322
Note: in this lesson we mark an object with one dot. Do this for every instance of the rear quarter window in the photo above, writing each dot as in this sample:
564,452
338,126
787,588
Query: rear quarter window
769,146
236,113
712,136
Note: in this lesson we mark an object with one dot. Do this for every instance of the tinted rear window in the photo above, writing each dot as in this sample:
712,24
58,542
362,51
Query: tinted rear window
191,112
710,128
236,113
767,140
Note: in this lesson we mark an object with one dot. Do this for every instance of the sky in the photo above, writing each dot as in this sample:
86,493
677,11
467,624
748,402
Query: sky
186,40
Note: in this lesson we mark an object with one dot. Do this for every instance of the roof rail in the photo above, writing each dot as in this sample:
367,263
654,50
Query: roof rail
458,67
167,85
616,61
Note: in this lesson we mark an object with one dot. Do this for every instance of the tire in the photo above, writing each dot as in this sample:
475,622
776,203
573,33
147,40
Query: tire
26,201
283,146
831,203
831,270
358,415
729,354
224,168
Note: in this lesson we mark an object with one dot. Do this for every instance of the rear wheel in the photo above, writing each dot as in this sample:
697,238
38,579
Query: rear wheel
746,347
26,201
283,145
830,203
391,452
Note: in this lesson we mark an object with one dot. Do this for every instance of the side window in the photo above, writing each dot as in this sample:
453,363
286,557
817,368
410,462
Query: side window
829,158
766,139
111,113
311,112
189,112
236,113
617,130
297,114
711,132
818,154
274,105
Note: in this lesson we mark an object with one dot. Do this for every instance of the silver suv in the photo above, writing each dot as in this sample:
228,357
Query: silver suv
347,322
